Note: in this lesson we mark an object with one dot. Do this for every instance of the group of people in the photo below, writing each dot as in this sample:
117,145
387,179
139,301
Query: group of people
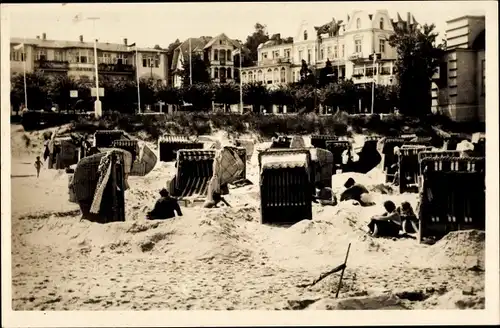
389,224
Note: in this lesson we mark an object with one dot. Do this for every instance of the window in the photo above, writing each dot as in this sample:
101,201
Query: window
222,55
335,51
17,56
358,71
357,46
381,44
301,55
483,73
309,55
228,55
157,61
41,55
58,55
216,55
228,72
443,74
216,73
305,35
276,54
283,75
121,59
328,51
243,77
259,76
264,55
381,24
343,51
276,76
269,76
322,54
287,53
82,57
358,23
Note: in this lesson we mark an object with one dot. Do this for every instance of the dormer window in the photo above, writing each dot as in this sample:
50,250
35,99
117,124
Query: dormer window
358,23
305,35
381,23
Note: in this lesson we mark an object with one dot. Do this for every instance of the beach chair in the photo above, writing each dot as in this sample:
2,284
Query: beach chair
390,158
285,187
337,148
194,171
452,195
131,146
168,146
105,138
408,168
319,140
87,182
282,142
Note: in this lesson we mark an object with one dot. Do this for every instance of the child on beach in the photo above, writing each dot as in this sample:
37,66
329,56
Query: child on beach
38,166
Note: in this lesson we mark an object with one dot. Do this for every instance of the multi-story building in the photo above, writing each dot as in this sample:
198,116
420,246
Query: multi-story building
76,58
217,53
458,88
346,44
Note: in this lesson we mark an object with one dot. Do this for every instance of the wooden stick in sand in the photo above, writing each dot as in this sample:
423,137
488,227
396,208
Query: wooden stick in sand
342,273
326,274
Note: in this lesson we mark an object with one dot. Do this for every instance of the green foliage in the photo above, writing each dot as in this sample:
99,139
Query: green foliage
253,41
256,94
227,93
418,59
38,86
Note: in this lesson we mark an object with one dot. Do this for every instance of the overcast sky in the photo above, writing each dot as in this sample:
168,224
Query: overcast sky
161,23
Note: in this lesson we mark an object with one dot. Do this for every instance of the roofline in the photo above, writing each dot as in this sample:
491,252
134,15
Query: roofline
466,16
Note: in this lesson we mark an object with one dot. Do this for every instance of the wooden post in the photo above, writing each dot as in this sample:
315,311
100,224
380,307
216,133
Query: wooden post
342,274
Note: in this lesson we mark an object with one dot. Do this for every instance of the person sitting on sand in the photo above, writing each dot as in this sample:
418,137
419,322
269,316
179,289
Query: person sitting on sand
324,195
357,192
387,224
409,221
165,207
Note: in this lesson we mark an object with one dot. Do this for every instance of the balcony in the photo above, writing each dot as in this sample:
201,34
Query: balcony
52,65
221,62
115,68
275,61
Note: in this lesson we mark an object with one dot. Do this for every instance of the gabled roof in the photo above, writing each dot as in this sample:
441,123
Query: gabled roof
197,44
59,44
222,36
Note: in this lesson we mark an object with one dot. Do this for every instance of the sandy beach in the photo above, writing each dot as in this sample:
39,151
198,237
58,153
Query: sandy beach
222,258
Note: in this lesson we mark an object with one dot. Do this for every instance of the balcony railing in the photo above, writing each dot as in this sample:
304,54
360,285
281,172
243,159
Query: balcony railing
283,60
51,64
115,68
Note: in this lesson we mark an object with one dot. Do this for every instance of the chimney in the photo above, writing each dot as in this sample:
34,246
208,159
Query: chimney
81,38
44,36
408,18
125,41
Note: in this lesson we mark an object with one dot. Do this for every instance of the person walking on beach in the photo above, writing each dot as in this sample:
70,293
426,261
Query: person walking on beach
387,224
38,166
165,207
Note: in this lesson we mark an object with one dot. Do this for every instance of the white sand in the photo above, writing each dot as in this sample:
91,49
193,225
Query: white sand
220,258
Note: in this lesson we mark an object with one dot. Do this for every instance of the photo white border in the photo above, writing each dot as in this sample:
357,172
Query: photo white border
491,314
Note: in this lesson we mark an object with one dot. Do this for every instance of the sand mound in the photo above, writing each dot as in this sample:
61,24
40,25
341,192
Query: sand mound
379,302
454,300
459,248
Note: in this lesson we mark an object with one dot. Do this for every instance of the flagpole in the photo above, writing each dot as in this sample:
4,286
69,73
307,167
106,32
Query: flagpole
24,71
97,103
241,86
137,76
190,65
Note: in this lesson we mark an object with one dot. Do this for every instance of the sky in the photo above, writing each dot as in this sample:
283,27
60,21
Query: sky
149,24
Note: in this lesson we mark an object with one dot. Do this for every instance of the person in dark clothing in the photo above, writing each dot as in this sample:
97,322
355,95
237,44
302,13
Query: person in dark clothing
357,192
324,195
409,221
216,199
387,224
165,207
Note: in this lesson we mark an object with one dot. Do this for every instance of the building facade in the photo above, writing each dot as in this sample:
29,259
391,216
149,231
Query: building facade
76,58
346,44
216,52
458,88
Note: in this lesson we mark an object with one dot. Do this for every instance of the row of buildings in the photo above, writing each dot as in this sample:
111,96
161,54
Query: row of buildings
458,87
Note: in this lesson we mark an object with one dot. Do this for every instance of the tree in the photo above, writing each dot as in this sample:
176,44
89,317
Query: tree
259,36
169,95
37,89
326,74
307,76
227,94
200,70
255,94
306,98
60,87
147,89
200,95
282,96
418,59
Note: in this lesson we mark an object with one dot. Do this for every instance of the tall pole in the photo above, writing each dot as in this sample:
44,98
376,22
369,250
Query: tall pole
373,83
241,86
190,64
137,76
24,53
97,104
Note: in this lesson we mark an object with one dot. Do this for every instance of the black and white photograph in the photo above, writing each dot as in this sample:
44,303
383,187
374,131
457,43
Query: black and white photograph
250,156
